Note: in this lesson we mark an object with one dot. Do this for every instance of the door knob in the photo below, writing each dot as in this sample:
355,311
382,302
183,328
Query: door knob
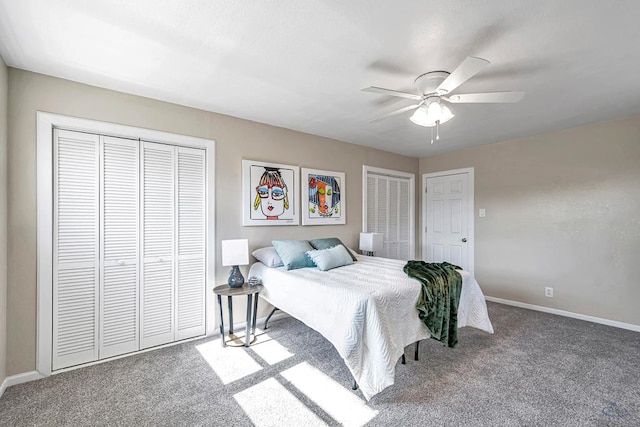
464,240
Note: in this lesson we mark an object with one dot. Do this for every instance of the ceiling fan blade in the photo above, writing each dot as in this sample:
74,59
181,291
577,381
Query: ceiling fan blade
489,97
390,92
467,69
396,112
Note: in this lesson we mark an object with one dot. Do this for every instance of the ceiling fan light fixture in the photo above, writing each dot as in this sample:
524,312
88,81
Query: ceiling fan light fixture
431,114
434,109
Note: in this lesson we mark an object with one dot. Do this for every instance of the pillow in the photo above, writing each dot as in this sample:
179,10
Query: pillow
268,256
330,242
326,259
293,253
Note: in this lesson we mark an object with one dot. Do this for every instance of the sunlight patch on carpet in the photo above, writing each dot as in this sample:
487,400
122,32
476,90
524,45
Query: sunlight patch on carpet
229,363
269,404
270,350
339,402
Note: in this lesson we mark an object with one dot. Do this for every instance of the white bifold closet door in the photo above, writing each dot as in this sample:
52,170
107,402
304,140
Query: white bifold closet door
119,247
129,246
158,213
75,248
190,293
173,229
388,210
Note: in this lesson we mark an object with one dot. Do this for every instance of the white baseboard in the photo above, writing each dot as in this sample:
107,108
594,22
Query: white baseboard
564,313
19,379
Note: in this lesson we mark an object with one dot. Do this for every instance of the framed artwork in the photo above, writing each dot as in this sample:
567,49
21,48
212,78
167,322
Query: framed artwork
269,193
323,197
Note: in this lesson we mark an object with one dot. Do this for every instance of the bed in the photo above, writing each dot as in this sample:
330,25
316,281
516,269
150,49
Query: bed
366,310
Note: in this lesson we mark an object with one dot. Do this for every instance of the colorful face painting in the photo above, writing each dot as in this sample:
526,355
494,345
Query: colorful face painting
324,196
271,194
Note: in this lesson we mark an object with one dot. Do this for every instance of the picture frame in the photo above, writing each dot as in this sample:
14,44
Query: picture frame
323,197
270,194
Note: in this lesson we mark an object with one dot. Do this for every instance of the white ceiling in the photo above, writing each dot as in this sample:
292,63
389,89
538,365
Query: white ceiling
301,64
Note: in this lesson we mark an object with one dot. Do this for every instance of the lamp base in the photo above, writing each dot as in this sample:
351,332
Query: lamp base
236,279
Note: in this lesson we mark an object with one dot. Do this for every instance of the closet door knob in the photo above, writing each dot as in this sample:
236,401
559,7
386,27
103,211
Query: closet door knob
464,240
120,262
160,259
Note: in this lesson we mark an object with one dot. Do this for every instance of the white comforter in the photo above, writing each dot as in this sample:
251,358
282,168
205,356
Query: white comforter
366,310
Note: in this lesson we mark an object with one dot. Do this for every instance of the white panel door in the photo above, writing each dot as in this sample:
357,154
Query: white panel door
191,233
157,320
75,248
447,219
119,324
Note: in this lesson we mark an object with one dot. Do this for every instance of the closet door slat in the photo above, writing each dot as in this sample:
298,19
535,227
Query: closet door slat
76,250
119,324
157,274
191,232
404,225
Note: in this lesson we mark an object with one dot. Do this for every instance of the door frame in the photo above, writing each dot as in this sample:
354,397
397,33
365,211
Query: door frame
46,122
470,211
412,200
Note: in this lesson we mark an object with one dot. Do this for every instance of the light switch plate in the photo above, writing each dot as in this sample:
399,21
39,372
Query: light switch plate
482,213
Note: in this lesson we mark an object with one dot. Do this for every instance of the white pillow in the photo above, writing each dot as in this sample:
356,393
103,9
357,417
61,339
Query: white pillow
326,259
268,256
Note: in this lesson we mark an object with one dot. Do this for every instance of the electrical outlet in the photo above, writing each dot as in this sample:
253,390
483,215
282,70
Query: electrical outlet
548,292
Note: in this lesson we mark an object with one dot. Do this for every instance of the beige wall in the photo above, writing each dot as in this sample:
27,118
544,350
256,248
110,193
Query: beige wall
562,210
236,140
3,217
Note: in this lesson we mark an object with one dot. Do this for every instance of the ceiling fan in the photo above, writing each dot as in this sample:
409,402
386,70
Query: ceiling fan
434,93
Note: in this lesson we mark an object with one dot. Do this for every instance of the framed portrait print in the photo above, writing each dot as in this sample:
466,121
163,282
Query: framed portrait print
269,193
323,197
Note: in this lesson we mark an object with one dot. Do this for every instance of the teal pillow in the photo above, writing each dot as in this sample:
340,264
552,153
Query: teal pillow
326,259
330,242
293,253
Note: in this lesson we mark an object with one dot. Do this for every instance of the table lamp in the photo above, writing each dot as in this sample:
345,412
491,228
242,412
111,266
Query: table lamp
234,253
370,243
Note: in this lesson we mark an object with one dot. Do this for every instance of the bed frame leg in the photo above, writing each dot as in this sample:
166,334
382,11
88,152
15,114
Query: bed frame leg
269,317
355,385
417,350
404,361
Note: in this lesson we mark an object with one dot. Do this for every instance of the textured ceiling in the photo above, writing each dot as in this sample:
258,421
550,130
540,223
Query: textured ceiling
301,64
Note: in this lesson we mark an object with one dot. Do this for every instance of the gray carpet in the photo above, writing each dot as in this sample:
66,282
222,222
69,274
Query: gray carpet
537,369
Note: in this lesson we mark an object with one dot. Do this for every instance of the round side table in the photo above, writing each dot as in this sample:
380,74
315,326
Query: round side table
252,310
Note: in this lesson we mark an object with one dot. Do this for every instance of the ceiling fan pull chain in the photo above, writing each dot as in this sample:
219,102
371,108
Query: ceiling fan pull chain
437,130
432,134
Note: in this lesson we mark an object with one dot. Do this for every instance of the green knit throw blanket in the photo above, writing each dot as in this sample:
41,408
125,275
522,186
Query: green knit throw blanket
438,302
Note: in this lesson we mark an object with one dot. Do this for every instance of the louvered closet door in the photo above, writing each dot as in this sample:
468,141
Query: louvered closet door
157,273
378,209
393,217
119,274
388,212
190,284
404,224
75,243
